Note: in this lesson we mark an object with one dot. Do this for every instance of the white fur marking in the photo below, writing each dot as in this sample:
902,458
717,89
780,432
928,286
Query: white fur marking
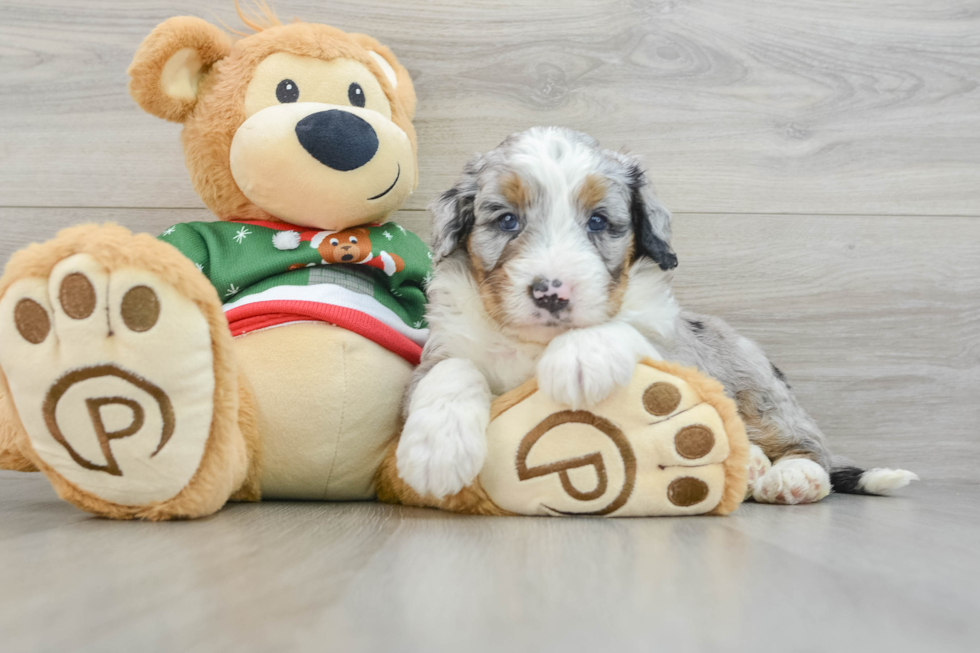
443,444
791,481
758,465
882,480
583,366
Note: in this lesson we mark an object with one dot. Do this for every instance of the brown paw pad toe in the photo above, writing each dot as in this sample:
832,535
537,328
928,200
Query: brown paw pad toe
32,321
77,296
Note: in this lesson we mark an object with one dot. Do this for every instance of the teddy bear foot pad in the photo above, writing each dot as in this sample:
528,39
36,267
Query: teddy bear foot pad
111,371
659,446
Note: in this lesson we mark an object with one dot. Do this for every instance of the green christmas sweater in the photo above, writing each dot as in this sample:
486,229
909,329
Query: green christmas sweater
369,279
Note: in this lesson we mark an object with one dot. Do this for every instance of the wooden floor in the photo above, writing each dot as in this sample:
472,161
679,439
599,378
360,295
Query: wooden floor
822,159
851,573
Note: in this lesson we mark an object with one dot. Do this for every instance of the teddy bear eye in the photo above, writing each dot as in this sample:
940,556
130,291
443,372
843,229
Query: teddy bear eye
355,94
287,91
334,242
353,241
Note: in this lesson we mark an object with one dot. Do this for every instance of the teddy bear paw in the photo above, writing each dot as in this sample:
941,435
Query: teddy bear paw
111,374
656,446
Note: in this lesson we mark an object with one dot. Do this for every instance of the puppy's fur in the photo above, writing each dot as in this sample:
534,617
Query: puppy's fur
553,258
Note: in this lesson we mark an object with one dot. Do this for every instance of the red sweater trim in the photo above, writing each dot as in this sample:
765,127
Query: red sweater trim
268,224
262,315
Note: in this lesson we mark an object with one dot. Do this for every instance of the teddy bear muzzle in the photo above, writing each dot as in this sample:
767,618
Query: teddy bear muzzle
321,165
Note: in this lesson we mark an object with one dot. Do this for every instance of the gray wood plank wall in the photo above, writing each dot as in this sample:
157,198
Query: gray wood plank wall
822,160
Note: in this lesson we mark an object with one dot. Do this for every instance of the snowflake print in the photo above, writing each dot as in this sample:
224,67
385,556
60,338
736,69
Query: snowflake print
417,324
387,234
430,255
232,289
427,279
401,227
199,266
241,234
170,231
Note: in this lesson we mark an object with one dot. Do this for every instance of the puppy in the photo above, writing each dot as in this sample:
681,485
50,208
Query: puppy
553,259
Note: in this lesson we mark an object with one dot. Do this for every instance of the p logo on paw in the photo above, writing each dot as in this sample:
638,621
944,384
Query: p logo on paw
102,407
111,373
669,443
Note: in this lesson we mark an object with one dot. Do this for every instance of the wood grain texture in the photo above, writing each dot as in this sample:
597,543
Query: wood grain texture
875,320
823,162
882,574
738,106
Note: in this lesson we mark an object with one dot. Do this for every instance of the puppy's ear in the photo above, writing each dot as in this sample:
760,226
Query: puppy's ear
171,62
453,214
651,221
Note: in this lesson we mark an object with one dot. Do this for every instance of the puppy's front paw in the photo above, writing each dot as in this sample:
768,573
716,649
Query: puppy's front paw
443,444
796,480
440,452
582,367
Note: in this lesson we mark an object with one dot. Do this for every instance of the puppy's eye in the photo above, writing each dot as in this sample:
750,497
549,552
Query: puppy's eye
508,223
287,91
334,242
355,94
353,241
597,223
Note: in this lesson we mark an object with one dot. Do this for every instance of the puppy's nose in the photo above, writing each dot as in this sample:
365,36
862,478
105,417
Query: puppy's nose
545,294
338,139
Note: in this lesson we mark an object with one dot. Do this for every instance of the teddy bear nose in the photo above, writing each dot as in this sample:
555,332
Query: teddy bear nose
338,139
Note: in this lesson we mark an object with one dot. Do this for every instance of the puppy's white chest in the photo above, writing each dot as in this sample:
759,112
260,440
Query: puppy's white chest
507,365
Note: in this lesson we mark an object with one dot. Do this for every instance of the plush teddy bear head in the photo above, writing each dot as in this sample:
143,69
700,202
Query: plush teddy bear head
301,123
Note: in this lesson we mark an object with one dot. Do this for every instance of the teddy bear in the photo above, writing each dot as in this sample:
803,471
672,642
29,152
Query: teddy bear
263,355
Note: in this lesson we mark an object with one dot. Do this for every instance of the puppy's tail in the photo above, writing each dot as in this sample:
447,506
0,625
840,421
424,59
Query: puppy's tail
854,480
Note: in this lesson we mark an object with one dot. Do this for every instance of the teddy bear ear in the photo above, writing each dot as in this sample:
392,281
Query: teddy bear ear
394,72
171,62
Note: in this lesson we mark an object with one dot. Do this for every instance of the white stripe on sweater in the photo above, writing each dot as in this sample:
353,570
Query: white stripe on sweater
328,293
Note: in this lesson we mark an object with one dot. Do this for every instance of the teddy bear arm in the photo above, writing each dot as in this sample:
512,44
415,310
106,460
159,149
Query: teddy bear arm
191,244
234,256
